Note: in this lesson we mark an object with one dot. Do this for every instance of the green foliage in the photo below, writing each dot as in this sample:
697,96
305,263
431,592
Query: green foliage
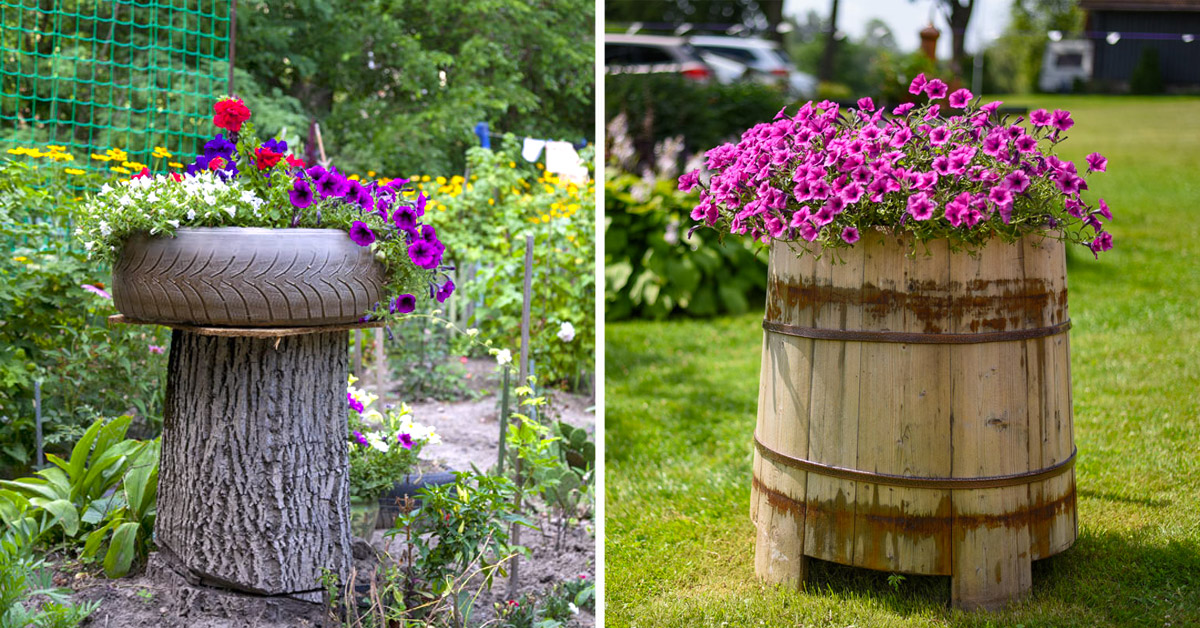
560,216
557,607
71,500
54,331
660,106
398,85
458,531
420,357
653,269
1147,74
24,579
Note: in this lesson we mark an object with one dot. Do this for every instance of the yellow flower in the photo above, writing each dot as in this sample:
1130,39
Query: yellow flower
61,156
73,171
33,152
491,201
573,207
540,166
21,258
174,164
99,157
161,152
425,178
119,170
549,189
370,173
440,180
353,177
16,151
56,147
474,177
512,164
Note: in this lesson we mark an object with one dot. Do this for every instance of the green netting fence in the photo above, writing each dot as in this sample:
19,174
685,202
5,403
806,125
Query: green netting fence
111,83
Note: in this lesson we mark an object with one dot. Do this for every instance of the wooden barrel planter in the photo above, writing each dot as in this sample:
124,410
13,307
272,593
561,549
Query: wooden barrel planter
254,474
915,414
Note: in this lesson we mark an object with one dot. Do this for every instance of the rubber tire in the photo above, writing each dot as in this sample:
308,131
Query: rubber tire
247,277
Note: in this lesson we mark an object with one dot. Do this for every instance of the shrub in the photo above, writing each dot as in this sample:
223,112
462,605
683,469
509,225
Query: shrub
54,330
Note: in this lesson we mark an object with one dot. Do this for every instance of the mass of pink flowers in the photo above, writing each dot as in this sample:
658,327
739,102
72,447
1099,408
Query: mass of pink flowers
946,169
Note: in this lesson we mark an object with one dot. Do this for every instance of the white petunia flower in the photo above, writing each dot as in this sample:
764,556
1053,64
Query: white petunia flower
566,332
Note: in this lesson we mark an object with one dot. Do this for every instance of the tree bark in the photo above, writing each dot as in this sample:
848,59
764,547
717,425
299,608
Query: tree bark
253,490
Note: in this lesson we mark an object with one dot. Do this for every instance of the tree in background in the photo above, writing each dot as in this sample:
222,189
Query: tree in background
859,66
760,16
1014,60
398,85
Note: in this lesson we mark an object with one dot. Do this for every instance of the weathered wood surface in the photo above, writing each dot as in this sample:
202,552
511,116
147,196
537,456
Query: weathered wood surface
249,332
917,410
253,482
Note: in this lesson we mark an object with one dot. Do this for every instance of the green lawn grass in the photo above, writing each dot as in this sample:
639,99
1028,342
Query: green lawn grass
681,408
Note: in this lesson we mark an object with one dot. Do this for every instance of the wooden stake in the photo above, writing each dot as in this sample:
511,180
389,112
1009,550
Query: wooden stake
525,310
380,367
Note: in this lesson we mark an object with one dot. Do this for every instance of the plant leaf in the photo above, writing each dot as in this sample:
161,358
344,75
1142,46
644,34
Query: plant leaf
121,550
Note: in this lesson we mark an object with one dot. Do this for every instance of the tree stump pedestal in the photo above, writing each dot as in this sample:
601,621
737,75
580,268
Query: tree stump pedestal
253,488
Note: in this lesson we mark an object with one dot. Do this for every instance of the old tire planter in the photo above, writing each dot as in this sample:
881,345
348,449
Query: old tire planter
254,474
247,277
915,414
412,483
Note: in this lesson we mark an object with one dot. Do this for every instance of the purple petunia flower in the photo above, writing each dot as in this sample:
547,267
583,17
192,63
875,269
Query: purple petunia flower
405,440
361,233
355,404
301,194
445,291
421,200
1097,162
404,304
1016,181
424,254
866,104
920,206
332,184
405,218
903,108
218,147
850,235
1103,242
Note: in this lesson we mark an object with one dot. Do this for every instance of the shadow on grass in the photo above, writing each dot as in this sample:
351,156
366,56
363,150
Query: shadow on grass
1106,579
1113,497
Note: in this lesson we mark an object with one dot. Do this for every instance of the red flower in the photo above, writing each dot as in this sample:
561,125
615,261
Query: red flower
294,162
144,173
265,158
230,114
178,177
216,164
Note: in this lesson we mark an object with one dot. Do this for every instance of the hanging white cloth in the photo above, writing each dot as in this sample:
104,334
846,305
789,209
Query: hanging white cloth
562,159
532,149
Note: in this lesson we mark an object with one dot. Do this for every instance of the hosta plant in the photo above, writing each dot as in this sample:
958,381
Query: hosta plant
239,181
947,169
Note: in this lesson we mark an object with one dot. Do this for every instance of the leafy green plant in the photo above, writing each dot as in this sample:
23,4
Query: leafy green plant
128,530
487,220
419,357
23,578
553,609
458,530
53,330
383,445
71,499
654,269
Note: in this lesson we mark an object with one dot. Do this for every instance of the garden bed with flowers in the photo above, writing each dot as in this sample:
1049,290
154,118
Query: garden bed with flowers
459,537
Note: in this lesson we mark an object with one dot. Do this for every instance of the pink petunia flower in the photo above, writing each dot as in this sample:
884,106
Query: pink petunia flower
920,206
850,235
935,89
918,84
1061,120
1097,162
1039,117
960,98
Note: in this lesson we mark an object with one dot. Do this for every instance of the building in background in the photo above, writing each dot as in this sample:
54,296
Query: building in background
1133,36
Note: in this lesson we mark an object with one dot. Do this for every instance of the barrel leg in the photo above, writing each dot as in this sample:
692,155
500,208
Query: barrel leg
779,546
992,558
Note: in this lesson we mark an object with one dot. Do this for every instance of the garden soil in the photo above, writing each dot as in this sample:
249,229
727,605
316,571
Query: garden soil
161,598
